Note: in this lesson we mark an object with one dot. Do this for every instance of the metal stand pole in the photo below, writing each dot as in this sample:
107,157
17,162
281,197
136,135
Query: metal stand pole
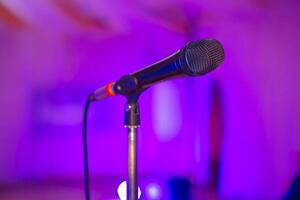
132,122
132,186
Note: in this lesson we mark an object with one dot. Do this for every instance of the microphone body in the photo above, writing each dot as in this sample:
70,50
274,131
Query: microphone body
195,59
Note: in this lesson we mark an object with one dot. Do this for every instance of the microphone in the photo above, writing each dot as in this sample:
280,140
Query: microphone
194,59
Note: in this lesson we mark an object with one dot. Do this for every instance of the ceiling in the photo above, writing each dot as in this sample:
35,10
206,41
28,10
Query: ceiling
107,16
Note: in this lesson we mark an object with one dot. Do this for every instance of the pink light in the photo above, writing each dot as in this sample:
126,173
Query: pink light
167,111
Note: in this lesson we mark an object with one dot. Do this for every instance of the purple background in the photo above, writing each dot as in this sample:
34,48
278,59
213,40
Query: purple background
50,61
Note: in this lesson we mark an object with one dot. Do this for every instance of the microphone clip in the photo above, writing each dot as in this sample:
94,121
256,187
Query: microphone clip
128,86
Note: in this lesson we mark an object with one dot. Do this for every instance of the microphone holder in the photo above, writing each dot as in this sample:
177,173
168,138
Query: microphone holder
128,87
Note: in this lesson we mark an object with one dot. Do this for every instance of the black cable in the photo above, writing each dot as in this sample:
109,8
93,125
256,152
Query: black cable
85,149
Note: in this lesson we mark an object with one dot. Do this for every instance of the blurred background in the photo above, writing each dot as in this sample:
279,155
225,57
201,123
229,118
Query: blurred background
232,134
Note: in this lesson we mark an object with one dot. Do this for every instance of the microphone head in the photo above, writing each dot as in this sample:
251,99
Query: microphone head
201,57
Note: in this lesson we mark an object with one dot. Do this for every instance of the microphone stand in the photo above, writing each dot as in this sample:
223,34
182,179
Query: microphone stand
128,86
132,122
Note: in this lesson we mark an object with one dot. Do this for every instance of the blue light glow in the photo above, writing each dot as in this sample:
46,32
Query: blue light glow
153,191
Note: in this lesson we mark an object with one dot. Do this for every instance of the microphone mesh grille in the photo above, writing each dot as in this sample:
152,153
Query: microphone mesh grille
203,56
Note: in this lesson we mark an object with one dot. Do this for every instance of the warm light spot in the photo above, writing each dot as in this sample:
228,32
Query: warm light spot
122,191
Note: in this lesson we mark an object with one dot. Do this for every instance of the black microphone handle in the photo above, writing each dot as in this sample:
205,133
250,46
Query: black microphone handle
162,70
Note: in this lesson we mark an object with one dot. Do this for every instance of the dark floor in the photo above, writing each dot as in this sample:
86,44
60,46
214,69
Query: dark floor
72,191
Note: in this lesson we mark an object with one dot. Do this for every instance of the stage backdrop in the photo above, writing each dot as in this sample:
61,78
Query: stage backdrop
245,114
